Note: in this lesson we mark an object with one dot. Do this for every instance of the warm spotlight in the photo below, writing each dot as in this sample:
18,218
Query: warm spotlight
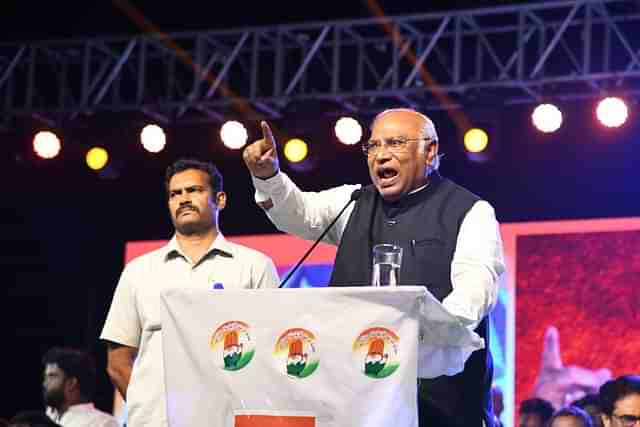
612,112
547,118
46,144
348,130
97,158
233,134
153,138
296,150
476,140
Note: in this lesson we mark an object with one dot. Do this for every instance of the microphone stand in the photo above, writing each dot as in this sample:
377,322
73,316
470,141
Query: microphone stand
354,196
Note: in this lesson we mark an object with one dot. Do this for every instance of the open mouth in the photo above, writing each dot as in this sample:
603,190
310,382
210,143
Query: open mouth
387,176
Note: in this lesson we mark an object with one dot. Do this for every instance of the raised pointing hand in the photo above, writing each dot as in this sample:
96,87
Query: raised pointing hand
560,384
261,157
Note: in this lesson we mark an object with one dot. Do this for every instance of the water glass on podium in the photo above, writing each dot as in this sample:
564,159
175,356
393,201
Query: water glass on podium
387,259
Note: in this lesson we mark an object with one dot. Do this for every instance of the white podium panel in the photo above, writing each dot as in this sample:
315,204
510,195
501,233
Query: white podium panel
328,357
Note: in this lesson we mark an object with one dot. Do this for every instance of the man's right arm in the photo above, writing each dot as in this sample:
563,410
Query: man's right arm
122,329
304,214
119,365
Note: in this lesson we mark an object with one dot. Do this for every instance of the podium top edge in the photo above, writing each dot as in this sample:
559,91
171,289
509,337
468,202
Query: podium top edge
345,290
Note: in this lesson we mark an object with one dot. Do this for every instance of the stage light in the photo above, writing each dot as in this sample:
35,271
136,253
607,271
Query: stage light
612,112
476,140
296,150
547,118
233,134
46,144
97,158
153,138
348,131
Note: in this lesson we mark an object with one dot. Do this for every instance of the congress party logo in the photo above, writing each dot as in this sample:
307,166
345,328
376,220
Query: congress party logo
376,352
232,345
296,353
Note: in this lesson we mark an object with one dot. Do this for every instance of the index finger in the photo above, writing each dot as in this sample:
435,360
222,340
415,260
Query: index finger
551,358
267,135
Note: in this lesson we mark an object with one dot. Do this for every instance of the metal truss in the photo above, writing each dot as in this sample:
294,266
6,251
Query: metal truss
568,49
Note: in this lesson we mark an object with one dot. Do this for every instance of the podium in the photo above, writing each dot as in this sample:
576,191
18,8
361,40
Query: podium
321,357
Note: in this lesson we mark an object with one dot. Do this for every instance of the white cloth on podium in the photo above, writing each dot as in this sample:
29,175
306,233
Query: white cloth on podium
403,329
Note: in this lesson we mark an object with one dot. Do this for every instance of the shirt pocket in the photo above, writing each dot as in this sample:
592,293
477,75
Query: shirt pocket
426,243
428,263
428,253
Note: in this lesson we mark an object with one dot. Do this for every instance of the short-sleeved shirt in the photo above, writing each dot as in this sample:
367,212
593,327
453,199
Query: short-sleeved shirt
134,318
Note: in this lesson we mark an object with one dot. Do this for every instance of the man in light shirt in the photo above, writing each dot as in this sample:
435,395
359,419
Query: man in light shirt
450,240
68,386
197,257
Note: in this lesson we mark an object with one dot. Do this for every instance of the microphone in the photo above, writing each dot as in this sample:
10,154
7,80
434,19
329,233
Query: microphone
354,196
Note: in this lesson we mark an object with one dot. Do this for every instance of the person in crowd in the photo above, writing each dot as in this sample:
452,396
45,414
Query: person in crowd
591,404
570,416
68,387
620,402
534,412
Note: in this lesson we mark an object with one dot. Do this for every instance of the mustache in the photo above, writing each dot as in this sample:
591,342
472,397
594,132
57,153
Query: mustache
185,208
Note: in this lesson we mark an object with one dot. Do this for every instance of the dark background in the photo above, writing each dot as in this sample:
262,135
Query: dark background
64,227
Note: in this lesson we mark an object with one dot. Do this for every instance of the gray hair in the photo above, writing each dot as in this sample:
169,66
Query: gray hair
428,133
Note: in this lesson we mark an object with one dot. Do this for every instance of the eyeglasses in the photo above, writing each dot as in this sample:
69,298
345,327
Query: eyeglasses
627,420
394,145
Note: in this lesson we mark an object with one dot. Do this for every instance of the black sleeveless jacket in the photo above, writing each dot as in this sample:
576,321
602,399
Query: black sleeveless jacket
425,224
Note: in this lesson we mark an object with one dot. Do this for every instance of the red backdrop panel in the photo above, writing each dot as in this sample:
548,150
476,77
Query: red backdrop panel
588,286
